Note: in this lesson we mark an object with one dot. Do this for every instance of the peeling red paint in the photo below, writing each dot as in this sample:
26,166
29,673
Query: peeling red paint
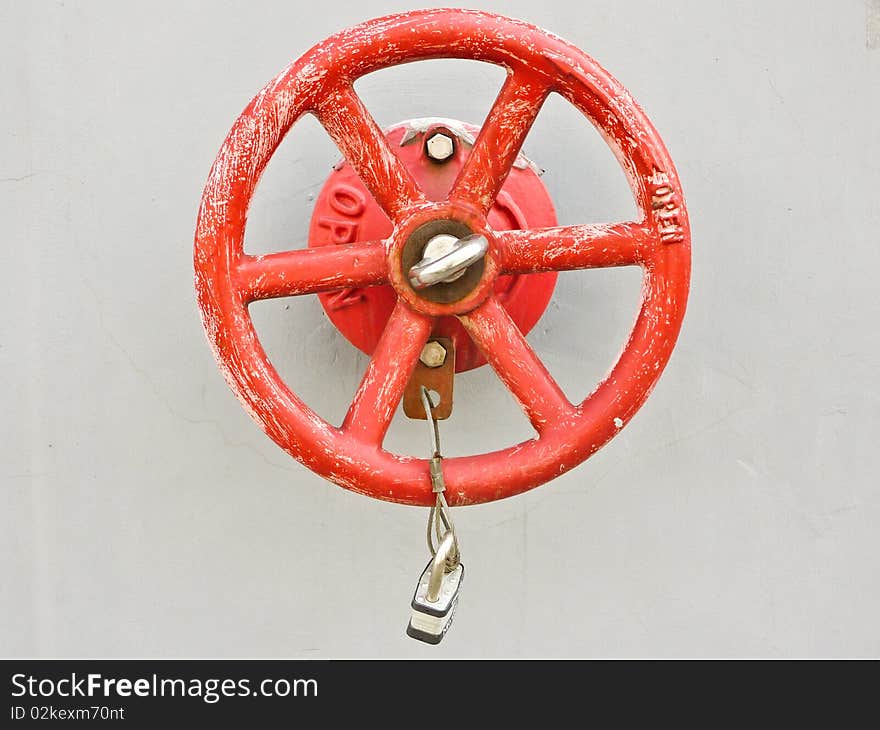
320,83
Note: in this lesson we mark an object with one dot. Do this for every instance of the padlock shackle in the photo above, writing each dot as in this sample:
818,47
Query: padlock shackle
439,565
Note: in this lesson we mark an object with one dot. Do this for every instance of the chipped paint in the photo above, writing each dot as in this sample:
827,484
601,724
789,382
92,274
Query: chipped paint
320,83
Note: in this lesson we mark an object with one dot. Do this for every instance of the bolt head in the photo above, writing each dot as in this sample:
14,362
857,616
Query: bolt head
433,355
440,147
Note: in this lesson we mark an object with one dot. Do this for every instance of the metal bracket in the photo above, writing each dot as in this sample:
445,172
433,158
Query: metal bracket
438,379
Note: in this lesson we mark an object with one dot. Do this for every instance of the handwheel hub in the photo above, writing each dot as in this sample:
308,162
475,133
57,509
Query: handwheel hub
346,213
409,244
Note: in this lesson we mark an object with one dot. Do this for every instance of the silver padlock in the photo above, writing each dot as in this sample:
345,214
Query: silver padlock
436,596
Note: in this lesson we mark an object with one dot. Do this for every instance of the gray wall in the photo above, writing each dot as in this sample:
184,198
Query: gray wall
143,513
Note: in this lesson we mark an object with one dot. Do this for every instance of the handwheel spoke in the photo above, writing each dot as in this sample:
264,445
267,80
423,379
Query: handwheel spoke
364,146
500,139
590,246
311,270
393,361
516,363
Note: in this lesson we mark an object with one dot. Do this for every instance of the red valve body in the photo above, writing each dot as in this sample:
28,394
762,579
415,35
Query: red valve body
345,212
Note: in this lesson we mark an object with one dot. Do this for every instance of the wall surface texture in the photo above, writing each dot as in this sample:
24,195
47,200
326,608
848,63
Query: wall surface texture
143,512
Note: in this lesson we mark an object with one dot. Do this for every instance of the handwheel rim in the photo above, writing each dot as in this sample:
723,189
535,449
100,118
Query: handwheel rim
342,454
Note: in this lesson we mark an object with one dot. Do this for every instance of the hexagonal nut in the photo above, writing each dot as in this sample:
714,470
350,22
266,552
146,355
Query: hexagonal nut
440,147
433,355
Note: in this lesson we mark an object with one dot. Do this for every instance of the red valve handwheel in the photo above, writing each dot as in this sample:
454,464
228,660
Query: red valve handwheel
320,82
